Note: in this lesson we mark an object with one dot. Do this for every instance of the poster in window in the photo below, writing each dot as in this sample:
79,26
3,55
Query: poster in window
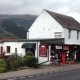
43,50
65,47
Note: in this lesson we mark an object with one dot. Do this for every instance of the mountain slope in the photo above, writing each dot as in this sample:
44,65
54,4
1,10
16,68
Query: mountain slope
15,26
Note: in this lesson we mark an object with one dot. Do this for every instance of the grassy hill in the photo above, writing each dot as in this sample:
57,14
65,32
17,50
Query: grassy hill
15,26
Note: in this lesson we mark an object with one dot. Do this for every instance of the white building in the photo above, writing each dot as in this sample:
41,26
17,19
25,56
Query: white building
20,46
51,33
50,25
60,32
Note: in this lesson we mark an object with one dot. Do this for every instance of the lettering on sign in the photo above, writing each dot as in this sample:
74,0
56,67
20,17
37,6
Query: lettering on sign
58,47
57,34
65,47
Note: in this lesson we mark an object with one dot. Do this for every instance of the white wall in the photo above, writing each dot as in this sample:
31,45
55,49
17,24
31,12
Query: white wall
13,45
44,27
18,45
73,40
21,51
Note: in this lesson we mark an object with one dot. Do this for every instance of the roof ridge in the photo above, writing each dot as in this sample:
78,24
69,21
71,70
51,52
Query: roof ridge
66,21
58,13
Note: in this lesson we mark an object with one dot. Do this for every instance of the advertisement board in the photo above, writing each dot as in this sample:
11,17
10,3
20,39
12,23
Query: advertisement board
65,47
58,47
43,50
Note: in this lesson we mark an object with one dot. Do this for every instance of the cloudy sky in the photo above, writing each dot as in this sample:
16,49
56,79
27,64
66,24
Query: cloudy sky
69,7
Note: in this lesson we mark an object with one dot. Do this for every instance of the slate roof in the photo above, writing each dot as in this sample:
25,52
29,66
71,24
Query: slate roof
50,41
66,21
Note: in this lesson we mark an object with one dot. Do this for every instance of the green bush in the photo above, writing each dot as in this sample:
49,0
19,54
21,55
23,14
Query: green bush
14,62
2,65
29,53
31,61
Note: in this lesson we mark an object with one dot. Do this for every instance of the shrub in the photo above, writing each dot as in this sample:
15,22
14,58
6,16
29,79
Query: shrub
31,61
14,62
29,53
2,65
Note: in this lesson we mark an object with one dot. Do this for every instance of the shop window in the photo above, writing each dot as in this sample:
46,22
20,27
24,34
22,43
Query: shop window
15,50
8,49
69,36
65,47
1,49
77,34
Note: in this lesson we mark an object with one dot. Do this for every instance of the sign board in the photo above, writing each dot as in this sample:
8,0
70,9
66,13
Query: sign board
43,50
57,34
65,47
58,47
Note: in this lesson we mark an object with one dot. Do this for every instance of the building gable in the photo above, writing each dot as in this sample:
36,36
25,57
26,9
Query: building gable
44,27
66,21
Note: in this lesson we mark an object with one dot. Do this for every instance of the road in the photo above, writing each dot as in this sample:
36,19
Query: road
66,75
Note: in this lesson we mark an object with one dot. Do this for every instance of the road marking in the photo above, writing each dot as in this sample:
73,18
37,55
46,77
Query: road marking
31,76
37,75
22,77
10,79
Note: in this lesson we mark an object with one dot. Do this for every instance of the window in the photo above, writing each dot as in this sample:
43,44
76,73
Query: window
8,49
15,50
69,34
1,49
77,34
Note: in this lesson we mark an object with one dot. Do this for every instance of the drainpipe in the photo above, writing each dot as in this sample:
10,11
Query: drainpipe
38,43
49,55
37,49
75,55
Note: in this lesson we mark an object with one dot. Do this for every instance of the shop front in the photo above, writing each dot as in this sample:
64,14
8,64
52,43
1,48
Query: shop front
77,53
56,51
73,55
64,54
50,48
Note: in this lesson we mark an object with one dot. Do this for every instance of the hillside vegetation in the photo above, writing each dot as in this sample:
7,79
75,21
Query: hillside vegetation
15,26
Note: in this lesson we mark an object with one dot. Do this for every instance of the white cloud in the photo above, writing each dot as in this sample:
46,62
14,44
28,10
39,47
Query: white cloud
62,10
36,6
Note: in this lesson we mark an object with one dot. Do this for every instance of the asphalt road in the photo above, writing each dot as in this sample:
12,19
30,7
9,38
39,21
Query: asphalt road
66,75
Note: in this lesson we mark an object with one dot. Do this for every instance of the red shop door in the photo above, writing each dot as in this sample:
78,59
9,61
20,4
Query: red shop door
63,57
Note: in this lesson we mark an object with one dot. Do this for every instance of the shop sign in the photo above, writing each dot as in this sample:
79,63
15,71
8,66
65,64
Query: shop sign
57,34
58,47
65,47
43,50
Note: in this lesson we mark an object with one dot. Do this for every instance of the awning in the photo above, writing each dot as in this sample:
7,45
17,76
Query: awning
53,41
29,45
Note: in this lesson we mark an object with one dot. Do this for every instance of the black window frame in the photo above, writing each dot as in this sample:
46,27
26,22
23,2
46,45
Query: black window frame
77,34
15,50
8,49
69,36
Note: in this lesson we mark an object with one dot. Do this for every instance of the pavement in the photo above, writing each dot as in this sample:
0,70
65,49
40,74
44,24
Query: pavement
30,72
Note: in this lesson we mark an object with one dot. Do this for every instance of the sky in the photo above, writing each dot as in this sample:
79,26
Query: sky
68,7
